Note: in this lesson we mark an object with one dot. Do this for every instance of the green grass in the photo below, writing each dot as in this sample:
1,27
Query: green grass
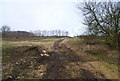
0,41
44,40
9,44
31,41
73,38
7,41
5,53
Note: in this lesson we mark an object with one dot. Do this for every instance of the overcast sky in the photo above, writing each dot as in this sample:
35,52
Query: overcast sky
30,15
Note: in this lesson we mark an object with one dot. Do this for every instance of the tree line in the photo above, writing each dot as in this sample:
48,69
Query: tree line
7,32
51,33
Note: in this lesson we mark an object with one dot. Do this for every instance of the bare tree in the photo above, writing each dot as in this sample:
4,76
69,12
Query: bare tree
59,32
102,18
67,33
51,33
5,29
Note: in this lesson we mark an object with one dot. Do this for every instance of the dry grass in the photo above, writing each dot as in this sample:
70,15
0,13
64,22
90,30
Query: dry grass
99,58
109,70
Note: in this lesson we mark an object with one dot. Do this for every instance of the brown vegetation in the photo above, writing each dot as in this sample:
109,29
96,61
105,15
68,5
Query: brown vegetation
60,59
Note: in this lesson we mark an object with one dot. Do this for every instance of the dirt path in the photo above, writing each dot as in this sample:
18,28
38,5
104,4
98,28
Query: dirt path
55,66
63,56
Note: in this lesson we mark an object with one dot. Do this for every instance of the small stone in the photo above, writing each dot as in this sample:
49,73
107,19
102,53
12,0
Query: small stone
44,51
47,55
42,54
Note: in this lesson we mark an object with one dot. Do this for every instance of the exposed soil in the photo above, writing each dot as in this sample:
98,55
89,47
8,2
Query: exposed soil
59,63
64,57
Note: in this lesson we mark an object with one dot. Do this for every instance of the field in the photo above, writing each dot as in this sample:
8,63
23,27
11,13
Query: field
58,58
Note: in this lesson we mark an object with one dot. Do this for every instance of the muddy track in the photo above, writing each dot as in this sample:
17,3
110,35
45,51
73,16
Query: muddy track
56,68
